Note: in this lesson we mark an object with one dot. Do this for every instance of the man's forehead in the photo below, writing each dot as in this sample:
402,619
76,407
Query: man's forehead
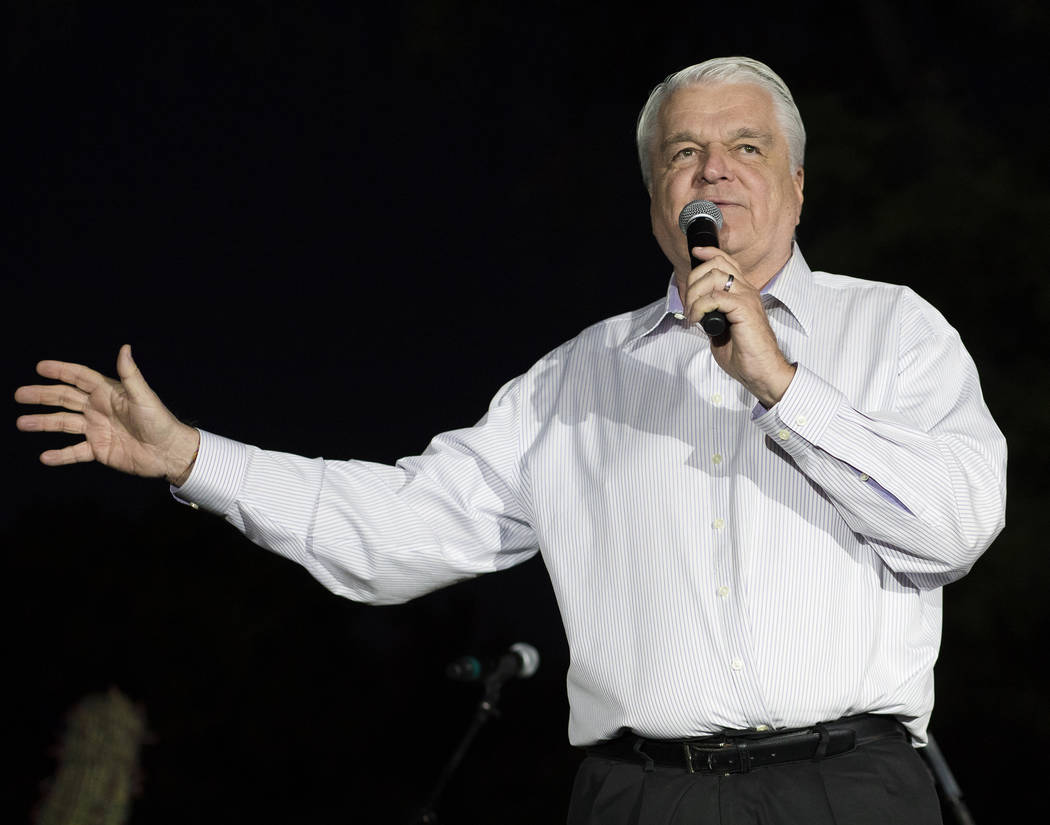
724,105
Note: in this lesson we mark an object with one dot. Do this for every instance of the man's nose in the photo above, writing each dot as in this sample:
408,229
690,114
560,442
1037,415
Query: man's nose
717,165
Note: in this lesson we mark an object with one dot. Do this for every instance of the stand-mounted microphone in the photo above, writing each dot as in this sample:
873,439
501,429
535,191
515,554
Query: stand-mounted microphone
700,221
521,661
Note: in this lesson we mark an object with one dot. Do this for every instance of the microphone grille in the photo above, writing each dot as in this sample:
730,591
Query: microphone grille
697,209
530,658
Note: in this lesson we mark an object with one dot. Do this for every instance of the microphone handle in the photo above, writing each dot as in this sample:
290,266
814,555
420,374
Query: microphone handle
702,232
507,668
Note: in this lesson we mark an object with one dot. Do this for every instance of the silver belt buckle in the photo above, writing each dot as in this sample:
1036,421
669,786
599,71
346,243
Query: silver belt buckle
713,748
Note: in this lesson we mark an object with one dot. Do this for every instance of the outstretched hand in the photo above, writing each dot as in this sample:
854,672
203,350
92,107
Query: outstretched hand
124,424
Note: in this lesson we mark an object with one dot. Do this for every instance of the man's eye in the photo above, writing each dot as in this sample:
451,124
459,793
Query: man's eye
748,149
684,154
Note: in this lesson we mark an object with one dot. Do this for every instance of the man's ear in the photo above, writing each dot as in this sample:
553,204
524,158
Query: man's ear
800,182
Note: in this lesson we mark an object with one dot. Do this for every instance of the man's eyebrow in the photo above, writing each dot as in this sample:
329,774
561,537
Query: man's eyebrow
751,134
679,137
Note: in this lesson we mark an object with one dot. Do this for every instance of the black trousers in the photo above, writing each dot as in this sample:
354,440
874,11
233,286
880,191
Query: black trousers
880,783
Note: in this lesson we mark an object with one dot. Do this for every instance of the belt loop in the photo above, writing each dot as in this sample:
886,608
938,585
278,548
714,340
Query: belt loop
688,757
649,764
744,755
822,745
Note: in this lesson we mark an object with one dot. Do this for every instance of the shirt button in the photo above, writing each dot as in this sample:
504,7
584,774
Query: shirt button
723,591
737,664
678,316
783,435
718,523
716,399
716,458
863,476
801,421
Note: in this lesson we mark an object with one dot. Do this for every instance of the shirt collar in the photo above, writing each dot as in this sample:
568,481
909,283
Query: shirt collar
655,316
791,287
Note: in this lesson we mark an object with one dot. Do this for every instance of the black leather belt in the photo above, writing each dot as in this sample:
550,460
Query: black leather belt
742,751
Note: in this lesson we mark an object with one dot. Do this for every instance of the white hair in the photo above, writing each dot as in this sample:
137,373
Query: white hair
723,70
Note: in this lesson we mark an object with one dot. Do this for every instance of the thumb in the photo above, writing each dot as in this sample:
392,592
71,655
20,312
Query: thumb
129,373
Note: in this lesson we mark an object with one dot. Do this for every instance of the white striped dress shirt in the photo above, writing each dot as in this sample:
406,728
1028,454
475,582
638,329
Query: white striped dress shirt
716,565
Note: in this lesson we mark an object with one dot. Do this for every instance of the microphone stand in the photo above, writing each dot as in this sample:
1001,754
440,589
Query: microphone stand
949,787
488,707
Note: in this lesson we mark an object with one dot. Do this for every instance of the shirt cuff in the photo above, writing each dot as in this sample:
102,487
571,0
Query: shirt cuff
801,418
806,409
216,476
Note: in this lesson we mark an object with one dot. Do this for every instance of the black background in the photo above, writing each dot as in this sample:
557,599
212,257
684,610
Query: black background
336,231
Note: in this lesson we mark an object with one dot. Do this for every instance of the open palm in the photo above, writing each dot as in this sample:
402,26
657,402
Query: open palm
124,423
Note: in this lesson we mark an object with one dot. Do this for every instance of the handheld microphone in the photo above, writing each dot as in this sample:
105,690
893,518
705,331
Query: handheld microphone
521,661
700,221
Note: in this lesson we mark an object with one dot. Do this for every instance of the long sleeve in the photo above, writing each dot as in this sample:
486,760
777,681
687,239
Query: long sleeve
935,449
376,533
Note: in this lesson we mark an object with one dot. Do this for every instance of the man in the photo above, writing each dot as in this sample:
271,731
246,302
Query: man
747,535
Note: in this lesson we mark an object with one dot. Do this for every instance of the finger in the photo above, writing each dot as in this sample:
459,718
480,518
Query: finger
706,253
715,256
53,395
76,374
76,454
130,375
713,274
711,283
709,303
710,293
52,423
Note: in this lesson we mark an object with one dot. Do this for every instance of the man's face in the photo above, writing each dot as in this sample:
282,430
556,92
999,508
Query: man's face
722,143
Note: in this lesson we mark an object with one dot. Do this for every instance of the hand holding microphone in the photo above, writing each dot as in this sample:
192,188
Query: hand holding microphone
700,221
752,354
